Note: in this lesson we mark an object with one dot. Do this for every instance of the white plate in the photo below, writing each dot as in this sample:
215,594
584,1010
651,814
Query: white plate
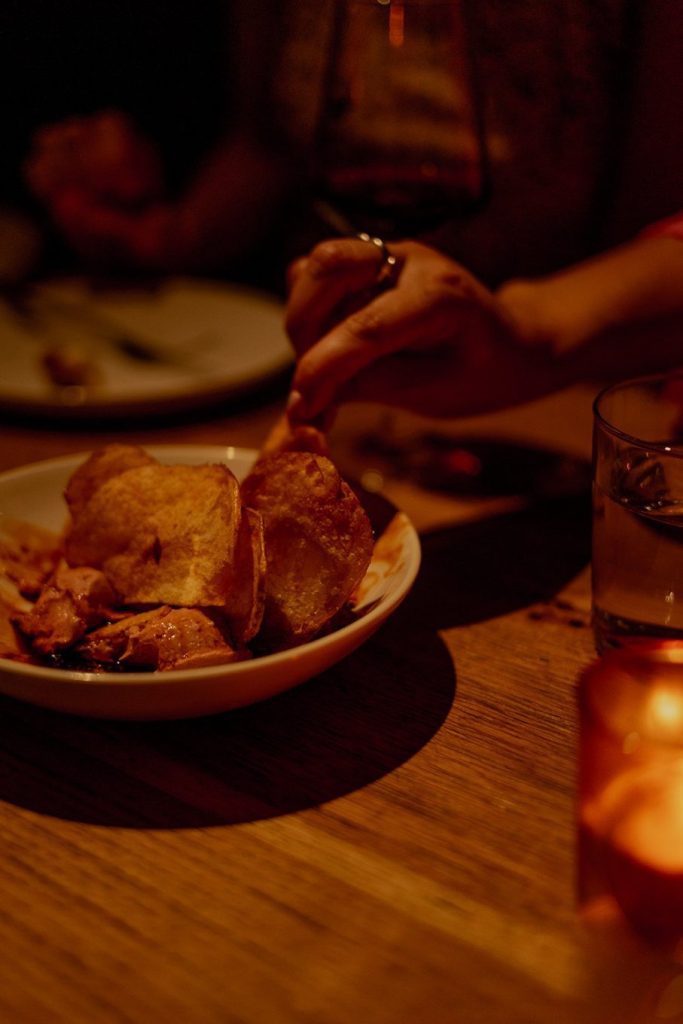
34,494
208,340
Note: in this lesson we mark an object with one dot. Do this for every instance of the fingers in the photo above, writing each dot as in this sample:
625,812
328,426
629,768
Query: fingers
294,272
394,321
429,313
464,377
337,276
408,380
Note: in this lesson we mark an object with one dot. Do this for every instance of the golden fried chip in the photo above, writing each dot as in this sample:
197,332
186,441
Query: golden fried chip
246,601
318,542
101,466
161,534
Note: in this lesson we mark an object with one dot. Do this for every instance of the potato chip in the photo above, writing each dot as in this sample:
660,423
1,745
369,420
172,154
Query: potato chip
318,542
162,534
99,467
246,600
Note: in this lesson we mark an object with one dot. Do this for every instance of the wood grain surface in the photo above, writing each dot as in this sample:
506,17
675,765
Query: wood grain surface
391,843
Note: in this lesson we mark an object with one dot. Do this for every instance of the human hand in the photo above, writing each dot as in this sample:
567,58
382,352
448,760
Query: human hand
437,343
102,156
100,180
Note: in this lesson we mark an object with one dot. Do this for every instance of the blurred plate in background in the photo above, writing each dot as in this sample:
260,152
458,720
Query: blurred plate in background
70,349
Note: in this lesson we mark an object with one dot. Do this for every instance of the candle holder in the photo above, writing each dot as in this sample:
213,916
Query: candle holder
630,793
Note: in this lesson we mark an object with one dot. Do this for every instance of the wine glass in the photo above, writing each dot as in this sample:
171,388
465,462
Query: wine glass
399,146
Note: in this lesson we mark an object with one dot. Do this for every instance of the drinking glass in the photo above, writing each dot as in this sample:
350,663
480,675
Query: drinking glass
399,146
638,511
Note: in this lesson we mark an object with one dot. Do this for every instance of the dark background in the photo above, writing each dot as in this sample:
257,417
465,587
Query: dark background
165,63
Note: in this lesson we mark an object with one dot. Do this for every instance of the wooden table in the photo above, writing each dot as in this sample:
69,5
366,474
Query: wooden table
391,843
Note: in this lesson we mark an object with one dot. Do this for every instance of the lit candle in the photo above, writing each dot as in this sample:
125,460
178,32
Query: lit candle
631,785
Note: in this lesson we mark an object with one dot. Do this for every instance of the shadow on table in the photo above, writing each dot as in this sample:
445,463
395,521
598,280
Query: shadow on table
483,569
335,734
340,732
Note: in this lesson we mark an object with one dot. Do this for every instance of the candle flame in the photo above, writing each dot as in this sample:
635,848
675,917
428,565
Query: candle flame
645,816
665,714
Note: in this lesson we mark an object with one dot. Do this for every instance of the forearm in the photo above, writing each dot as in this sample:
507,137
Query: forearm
623,309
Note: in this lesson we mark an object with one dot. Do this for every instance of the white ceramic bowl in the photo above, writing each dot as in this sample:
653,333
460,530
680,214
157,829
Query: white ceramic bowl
34,494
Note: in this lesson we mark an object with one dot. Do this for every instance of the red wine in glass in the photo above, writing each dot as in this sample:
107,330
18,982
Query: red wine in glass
400,144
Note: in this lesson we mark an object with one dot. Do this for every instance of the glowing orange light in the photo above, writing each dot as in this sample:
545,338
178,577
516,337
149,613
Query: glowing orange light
643,853
664,714
397,23
650,823
631,789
